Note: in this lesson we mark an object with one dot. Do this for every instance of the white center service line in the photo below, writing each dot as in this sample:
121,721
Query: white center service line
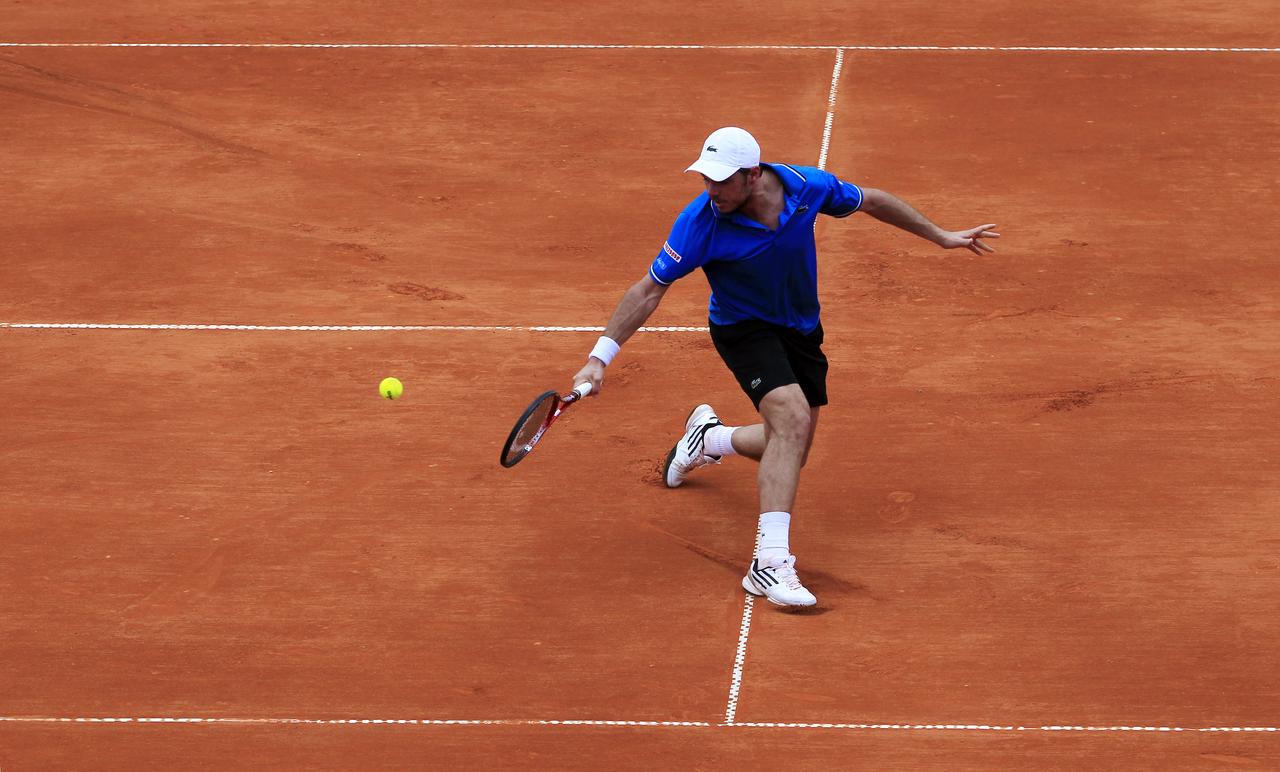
739,658
831,108
744,630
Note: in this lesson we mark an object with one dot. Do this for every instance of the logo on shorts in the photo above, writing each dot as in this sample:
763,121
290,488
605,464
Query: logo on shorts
711,149
666,247
802,209
756,383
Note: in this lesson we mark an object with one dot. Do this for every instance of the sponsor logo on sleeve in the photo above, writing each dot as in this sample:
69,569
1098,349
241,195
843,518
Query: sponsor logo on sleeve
666,247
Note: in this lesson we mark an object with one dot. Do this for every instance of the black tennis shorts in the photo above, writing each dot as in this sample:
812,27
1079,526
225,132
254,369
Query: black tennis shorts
764,356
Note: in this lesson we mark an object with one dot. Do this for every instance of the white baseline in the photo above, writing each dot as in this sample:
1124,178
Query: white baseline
188,720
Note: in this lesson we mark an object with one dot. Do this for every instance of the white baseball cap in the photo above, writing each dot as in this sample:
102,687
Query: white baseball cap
726,151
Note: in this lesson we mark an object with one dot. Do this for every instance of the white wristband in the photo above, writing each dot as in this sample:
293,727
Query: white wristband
606,349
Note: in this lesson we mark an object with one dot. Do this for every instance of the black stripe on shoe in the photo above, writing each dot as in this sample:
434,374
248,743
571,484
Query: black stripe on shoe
698,440
762,574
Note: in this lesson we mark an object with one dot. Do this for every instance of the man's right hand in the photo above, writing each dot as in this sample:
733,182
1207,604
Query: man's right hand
592,372
970,239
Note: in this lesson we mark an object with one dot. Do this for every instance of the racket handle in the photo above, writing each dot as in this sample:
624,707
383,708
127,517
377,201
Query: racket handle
579,391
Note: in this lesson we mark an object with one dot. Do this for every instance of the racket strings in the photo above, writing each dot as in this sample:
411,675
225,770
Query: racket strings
533,424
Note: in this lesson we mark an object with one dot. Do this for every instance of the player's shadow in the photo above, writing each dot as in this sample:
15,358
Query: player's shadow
799,611
820,580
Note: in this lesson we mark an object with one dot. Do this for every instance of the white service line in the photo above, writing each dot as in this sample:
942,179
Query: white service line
344,721
324,327
1007,728
666,47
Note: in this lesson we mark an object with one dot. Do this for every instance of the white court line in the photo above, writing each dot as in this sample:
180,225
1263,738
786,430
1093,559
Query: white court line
831,108
666,47
345,721
739,657
998,728
121,720
324,327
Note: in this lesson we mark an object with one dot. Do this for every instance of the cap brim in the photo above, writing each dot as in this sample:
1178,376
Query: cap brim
716,172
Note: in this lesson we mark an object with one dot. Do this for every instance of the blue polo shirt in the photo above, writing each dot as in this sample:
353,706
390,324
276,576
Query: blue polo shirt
754,272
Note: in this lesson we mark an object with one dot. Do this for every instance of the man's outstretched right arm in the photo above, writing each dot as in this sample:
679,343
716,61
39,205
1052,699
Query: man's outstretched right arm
888,208
633,310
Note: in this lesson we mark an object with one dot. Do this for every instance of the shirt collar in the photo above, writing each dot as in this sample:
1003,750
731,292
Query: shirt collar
791,186
792,183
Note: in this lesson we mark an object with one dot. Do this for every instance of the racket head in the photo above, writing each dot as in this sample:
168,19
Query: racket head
527,430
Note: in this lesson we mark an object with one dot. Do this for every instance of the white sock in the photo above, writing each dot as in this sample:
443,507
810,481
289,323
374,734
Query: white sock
773,536
718,441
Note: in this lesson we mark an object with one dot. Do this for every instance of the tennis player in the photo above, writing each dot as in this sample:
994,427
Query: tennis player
752,234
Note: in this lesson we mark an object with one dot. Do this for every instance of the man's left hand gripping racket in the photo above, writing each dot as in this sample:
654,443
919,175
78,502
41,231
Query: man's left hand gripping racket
535,421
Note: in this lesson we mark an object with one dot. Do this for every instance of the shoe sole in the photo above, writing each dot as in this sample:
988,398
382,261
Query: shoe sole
666,467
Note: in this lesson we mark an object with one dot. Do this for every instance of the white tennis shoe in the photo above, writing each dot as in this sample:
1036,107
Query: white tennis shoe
688,455
777,580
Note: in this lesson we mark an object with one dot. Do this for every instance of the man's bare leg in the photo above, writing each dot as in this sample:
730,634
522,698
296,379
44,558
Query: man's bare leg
788,425
750,440
781,444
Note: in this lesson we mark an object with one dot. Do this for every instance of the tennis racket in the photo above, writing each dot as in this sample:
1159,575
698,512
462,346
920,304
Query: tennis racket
535,421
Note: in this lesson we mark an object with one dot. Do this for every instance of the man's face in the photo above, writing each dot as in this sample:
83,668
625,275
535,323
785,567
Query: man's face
732,193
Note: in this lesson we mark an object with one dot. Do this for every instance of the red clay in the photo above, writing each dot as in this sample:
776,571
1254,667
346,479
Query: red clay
1044,492
797,22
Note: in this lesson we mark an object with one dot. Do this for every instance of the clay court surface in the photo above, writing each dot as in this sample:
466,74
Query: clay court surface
1040,515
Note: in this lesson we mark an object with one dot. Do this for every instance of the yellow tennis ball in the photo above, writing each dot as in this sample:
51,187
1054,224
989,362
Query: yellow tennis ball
391,388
